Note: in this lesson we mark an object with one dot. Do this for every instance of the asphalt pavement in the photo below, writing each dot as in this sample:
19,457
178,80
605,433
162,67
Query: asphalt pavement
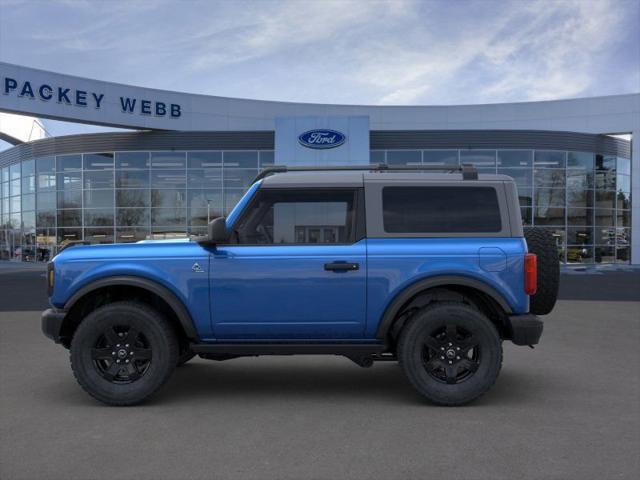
569,409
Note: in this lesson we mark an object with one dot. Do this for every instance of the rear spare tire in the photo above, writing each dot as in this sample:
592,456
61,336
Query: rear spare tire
542,243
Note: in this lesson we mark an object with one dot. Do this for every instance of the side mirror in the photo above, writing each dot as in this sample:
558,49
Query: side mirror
217,231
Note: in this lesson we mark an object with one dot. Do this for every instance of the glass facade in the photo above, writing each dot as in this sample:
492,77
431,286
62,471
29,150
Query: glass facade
105,197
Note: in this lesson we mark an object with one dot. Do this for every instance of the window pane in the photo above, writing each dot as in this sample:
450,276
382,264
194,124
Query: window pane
580,216
138,160
525,196
578,197
623,183
549,159
205,178
404,157
548,216
168,179
132,179
580,235
98,199
28,184
605,255
545,197
98,179
132,217
440,210
28,168
98,217
45,165
204,159
515,158
582,160
98,161
579,254
623,200
623,166
14,187
69,162
70,218
623,218
168,198
299,218
605,218
527,215
168,160
605,163
132,198
622,255
46,181
168,217
46,201
479,158
29,202
440,157
69,199
605,199
549,178
70,180
241,159
46,218
66,235
579,178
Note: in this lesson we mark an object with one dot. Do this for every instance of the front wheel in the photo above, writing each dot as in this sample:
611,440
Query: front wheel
123,352
450,352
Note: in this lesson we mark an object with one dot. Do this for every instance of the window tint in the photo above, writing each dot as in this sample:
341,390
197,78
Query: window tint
440,210
293,217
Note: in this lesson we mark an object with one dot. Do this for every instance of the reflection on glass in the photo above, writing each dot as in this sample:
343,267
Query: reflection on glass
404,157
69,162
97,161
168,160
132,217
479,158
583,160
98,217
549,159
440,157
139,160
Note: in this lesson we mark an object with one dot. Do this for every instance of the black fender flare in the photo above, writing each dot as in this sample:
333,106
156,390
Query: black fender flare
184,317
412,290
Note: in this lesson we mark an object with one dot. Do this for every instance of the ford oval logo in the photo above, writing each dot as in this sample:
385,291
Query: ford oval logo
322,138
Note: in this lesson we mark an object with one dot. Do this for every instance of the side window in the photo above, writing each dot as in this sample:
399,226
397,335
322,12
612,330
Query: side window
286,217
440,210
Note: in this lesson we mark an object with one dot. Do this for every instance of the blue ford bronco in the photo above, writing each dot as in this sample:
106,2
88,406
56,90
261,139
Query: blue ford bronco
432,270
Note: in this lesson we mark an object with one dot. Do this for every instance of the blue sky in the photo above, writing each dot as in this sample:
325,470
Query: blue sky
363,52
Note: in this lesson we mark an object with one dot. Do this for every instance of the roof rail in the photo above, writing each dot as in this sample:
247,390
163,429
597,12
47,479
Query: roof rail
469,172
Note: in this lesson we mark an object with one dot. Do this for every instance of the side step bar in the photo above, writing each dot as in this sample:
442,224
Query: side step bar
362,354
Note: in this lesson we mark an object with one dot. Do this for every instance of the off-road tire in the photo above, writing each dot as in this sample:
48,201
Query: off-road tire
433,318
155,337
544,246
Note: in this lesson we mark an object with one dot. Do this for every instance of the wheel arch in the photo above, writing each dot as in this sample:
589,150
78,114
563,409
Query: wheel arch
485,297
90,296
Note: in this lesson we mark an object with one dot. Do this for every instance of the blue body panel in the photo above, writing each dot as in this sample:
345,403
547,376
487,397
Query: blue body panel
284,292
396,263
167,263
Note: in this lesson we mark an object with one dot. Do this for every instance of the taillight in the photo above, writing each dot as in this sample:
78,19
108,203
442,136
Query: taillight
530,273
50,278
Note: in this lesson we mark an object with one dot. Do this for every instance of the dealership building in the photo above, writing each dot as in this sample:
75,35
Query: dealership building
188,158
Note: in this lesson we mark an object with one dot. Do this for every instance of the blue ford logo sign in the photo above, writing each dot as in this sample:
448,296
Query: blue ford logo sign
322,138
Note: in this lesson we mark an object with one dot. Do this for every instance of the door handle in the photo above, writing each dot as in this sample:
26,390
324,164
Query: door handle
341,266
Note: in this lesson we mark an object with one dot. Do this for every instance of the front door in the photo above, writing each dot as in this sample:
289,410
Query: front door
297,268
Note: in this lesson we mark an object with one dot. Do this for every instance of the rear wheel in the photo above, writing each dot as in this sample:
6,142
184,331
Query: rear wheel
450,352
123,352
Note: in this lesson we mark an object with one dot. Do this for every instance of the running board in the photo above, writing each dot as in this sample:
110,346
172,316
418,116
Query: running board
250,349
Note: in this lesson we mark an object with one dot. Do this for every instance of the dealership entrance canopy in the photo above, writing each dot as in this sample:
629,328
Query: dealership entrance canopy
192,156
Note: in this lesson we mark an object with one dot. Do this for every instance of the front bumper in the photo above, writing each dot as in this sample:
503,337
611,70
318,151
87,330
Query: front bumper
51,320
525,329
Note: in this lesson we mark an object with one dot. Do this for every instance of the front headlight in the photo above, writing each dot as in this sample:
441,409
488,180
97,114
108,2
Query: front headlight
50,278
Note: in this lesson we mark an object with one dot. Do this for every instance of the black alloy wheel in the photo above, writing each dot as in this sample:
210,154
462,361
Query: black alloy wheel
450,352
122,354
451,355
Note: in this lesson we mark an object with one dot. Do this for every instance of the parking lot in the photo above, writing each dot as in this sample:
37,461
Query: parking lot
570,408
